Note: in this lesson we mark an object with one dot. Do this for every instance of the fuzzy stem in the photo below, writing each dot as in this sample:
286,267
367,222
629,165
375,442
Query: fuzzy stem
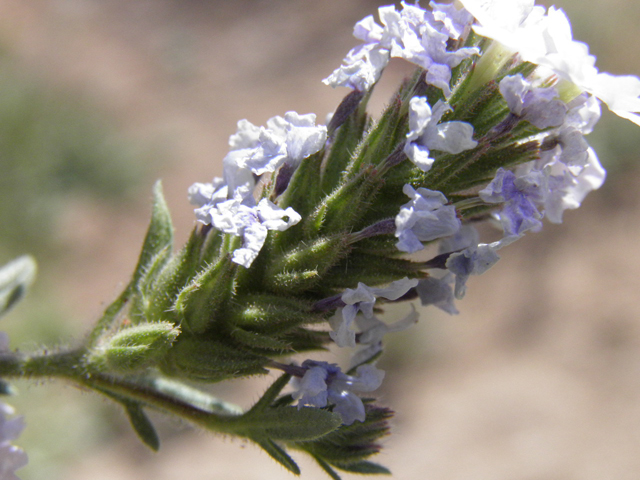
165,395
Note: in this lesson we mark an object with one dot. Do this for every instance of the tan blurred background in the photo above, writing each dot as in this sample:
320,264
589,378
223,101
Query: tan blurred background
538,378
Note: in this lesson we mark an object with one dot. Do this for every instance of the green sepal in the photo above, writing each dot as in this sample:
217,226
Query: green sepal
255,340
143,292
370,270
173,277
383,137
15,278
270,395
159,235
340,210
485,166
327,468
303,191
278,454
299,268
350,445
365,468
211,361
198,303
343,144
134,348
271,314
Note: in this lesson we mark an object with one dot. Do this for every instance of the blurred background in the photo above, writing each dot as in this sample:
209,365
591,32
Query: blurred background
537,378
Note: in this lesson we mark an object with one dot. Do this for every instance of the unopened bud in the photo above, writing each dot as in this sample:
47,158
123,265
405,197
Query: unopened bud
136,347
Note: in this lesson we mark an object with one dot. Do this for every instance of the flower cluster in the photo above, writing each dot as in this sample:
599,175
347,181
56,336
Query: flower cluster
229,203
493,125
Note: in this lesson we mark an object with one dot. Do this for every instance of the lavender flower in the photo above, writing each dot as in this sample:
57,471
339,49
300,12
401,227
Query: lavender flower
325,384
372,331
426,217
520,195
425,134
438,292
412,34
538,106
362,299
11,457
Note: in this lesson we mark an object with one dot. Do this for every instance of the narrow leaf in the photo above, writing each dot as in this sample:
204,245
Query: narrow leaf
279,455
142,425
327,468
270,395
365,468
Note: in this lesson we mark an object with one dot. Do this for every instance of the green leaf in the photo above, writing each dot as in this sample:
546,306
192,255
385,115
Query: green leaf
327,468
142,425
138,419
278,454
15,278
293,424
365,468
270,395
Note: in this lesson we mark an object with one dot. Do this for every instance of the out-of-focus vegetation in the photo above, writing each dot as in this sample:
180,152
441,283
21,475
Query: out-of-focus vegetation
53,147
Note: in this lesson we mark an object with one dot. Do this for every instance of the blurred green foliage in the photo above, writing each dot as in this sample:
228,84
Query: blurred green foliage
53,146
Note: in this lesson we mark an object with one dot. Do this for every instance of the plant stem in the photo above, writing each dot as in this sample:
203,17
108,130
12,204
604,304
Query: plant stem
165,395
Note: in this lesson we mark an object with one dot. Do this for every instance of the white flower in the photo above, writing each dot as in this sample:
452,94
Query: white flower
545,38
426,217
456,21
425,134
251,223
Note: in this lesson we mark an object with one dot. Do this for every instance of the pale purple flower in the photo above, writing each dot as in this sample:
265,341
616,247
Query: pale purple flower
258,150
456,21
11,457
519,196
251,223
425,134
426,217
567,191
438,292
362,299
372,331
412,34
538,106
435,58
474,260
324,384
